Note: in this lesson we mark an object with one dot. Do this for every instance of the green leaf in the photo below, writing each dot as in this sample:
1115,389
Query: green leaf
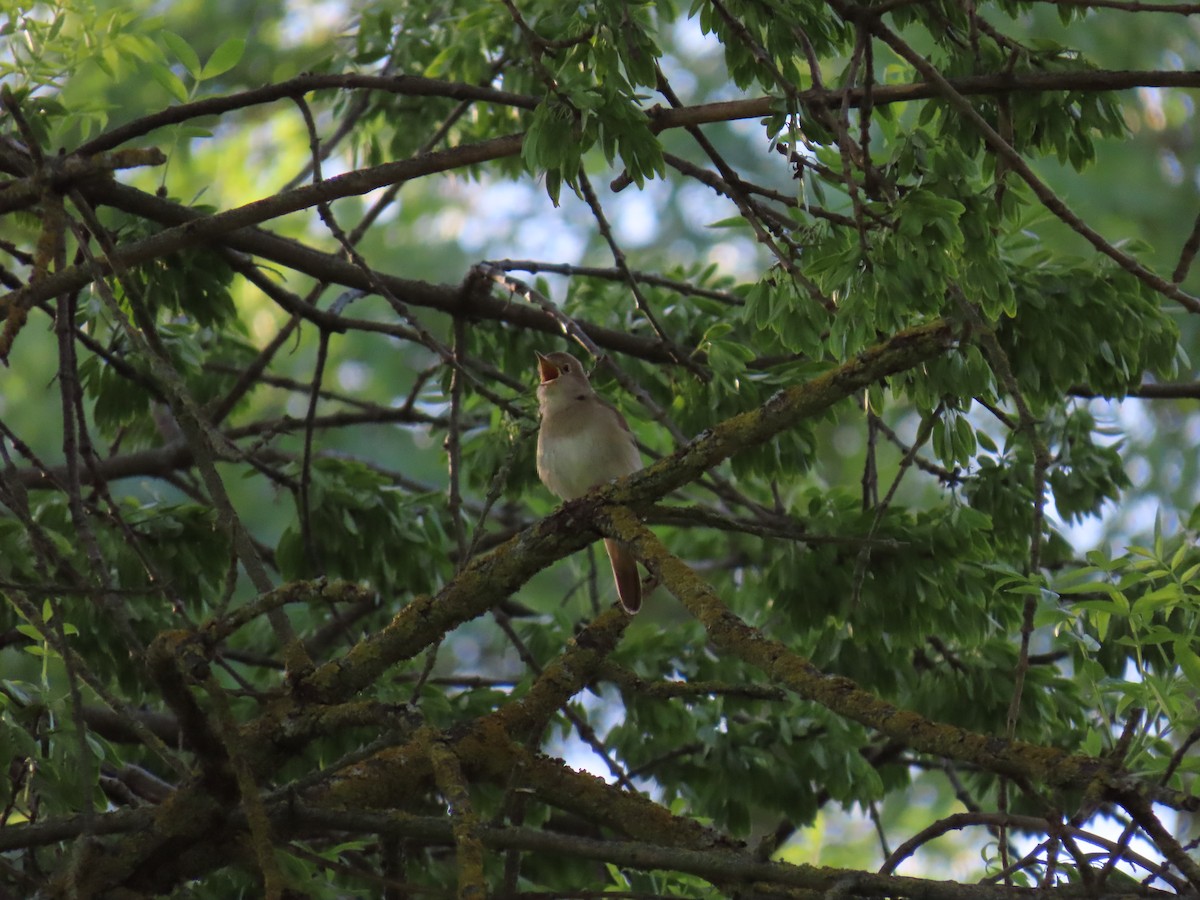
1188,661
224,58
964,439
184,53
554,181
1168,594
169,80
1087,587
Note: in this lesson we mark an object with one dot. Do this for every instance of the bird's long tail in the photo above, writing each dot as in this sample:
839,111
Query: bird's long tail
625,573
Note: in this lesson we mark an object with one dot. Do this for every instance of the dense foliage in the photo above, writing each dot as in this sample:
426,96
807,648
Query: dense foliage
285,610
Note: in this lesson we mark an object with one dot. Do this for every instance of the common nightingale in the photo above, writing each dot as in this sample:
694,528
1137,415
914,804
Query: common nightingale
583,441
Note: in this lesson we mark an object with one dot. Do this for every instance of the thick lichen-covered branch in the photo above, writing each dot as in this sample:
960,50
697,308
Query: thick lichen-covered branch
1016,759
490,748
493,576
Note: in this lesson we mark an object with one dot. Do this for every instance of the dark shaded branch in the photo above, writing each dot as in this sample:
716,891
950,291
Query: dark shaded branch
719,866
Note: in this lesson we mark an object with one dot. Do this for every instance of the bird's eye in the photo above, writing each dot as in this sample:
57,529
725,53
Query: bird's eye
566,368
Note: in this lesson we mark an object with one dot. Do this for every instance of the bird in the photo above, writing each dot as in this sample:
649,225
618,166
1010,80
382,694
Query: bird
583,441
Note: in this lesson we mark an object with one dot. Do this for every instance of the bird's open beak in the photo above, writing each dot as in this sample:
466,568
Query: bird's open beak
547,370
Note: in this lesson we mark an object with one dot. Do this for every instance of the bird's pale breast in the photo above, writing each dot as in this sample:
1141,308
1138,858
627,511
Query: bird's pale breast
585,448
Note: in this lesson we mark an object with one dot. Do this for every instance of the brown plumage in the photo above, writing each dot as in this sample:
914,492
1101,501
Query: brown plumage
583,441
